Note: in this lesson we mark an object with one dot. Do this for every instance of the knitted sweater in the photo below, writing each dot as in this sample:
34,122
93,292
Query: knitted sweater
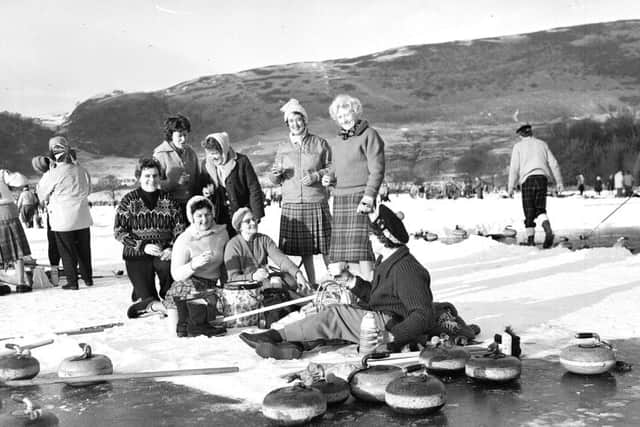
135,224
400,288
531,156
243,258
358,163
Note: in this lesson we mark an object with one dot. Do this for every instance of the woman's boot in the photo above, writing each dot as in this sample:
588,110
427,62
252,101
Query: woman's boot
183,317
198,321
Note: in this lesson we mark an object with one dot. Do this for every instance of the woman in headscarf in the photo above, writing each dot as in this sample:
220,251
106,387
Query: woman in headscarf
300,164
197,264
66,187
229,180
14,246
179,163
358,170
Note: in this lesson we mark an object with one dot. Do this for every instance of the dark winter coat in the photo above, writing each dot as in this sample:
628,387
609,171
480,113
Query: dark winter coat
400,288
241,189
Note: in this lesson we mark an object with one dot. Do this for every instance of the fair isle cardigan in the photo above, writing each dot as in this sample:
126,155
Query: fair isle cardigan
136,225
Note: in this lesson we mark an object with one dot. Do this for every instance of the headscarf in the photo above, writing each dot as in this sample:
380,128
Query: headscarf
357,129
196,233
219,173
61,150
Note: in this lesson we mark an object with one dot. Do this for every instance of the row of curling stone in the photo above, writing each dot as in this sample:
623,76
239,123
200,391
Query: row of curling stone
308,399
23,366
442,357
589,356
31,415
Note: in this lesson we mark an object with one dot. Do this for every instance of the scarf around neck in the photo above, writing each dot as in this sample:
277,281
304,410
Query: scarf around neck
357,129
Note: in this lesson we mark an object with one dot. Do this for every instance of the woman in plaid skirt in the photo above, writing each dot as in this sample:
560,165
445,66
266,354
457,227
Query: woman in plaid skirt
14,246
357,172
300,164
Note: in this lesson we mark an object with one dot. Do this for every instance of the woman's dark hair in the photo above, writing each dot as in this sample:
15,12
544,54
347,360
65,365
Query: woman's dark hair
146,163
200,204
210,143
177,123
383,239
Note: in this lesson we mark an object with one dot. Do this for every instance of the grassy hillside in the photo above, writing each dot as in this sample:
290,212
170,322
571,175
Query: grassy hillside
431,102
21,138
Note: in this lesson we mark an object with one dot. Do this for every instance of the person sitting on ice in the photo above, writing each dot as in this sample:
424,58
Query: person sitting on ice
247,254
532,164
197,267
399,296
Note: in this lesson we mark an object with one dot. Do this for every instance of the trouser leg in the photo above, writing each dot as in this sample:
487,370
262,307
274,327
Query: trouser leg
140,272
163,271
65,240
335,322
83,242
52,247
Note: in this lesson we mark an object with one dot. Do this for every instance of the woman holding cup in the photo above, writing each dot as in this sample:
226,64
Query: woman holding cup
357,172
300,164
179,162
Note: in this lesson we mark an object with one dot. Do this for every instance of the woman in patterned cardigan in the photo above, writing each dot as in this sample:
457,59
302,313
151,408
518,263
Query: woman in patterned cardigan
147,222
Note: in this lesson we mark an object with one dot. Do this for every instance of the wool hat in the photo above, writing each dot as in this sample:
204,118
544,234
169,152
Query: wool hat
293,106
390,224
238,216
40,164
525,130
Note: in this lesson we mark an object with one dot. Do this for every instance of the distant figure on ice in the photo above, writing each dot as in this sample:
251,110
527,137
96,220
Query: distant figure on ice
532,164
383,193
41,164
478,187
27,205
627,182
597,186
580,183
179,163
618,183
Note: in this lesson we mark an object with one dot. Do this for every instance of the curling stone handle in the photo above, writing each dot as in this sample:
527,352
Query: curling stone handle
413,368
588,335
374,356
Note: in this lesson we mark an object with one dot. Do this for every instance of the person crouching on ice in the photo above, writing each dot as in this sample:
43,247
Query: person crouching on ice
532,163
399,296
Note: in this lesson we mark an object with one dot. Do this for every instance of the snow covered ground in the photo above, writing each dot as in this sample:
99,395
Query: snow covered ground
546,296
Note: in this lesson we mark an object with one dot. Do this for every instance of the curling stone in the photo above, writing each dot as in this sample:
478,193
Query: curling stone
509,232
369,382
18,366
588,358
335,389
87,364
415,394
294,405
442,356
32,416
494,366
459,233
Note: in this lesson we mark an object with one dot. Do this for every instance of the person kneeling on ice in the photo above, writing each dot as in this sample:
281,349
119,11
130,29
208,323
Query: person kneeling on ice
399,296
147,222
197,266
247,254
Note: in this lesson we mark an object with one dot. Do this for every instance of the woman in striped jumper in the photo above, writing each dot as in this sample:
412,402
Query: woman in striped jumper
357,172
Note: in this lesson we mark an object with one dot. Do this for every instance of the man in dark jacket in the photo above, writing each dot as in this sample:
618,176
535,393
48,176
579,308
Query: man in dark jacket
399,296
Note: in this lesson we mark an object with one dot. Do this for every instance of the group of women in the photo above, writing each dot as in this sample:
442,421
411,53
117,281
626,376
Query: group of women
222,201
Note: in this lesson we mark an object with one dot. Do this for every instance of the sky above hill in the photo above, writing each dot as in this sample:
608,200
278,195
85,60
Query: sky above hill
56,54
